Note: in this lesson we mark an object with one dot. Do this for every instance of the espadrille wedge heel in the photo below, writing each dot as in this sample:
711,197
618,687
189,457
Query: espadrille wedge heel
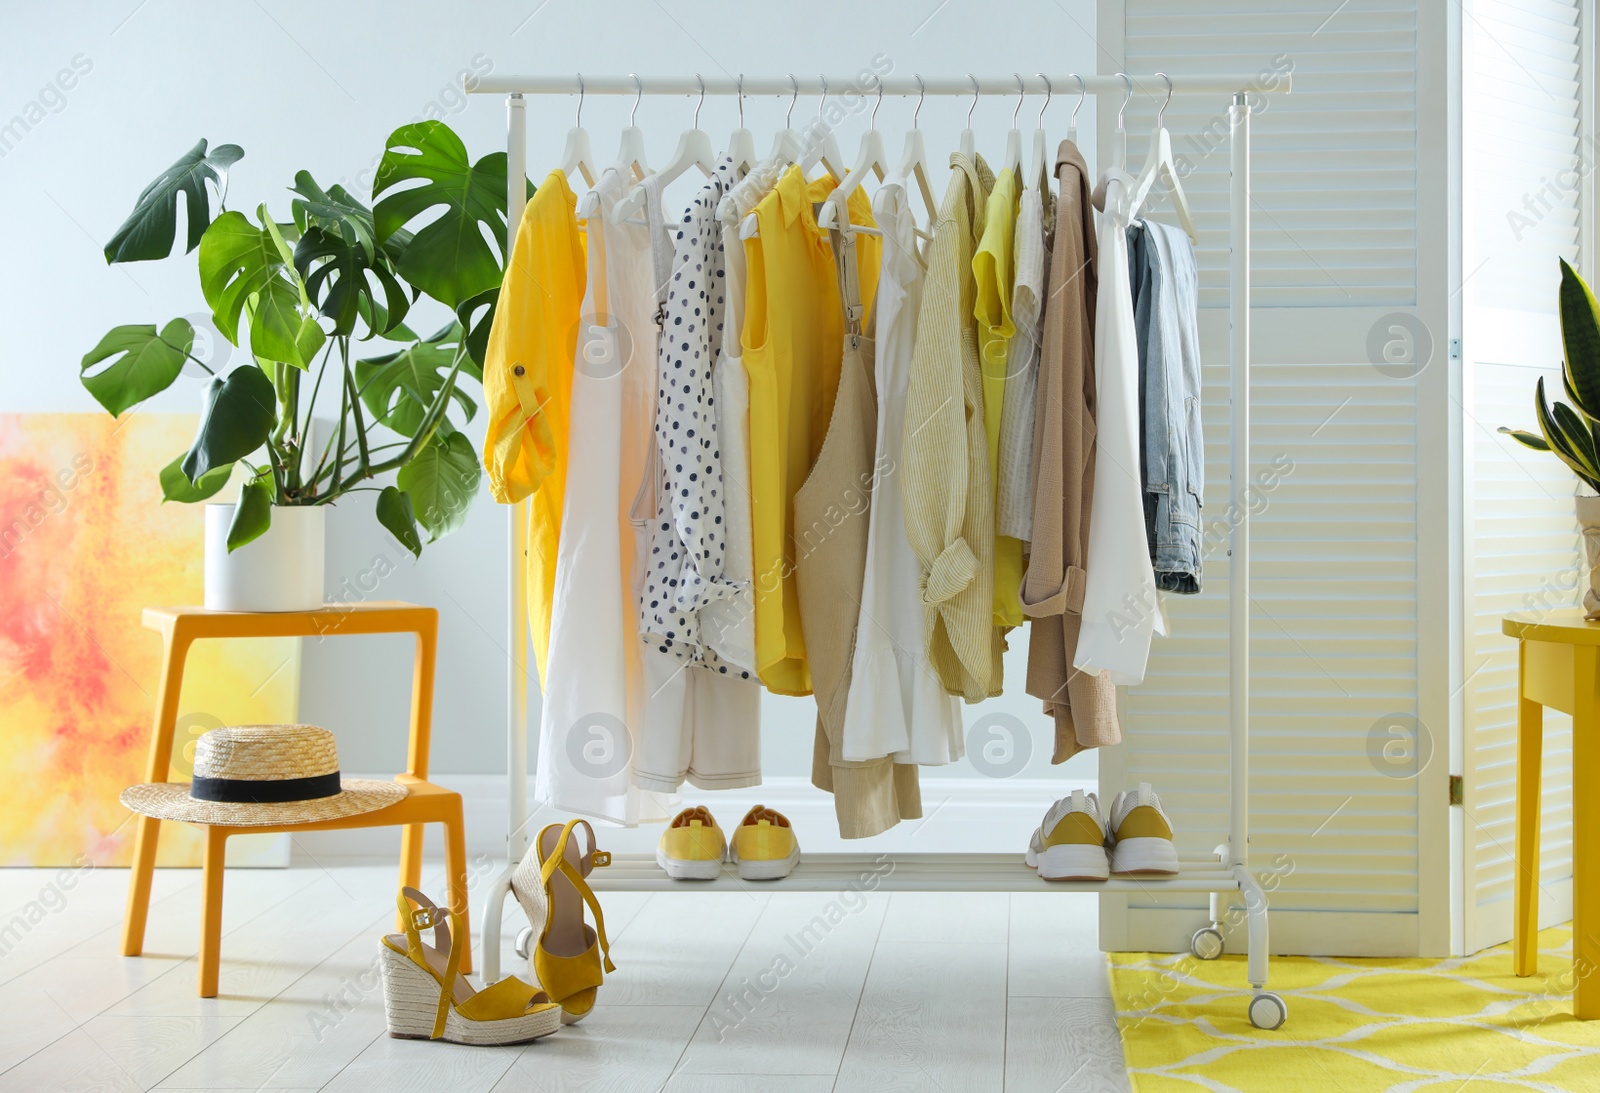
426,997
567,954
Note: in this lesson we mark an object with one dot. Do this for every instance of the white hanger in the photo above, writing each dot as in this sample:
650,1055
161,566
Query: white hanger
694,150
914,161
630,157
872,157
742,144
1083,93
578,156
631,154
1039,173
1159,162
1013,161
824,146
786,146
1119,151
969,141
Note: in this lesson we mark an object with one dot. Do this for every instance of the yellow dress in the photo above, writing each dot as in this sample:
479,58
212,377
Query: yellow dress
994,272
793,339
527,383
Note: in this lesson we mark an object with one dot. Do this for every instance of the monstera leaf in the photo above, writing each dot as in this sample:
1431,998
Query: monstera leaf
441,482
145,363
398,388
477,319
151,228
347,274
175,485
396,514
449,258
252,514
246,270
239,413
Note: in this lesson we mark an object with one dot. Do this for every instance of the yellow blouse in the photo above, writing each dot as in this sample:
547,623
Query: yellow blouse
994,272
793,340
527,382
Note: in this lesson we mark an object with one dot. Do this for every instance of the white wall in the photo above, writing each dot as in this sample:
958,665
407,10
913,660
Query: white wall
319,86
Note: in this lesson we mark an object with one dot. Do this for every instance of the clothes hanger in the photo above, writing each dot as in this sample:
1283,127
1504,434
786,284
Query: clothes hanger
694,150
742,144
872,157
1013,161
914,160
1040,171
630,156
824,146
1160,162
786,146
1119,151
969,140
578,156
1083,93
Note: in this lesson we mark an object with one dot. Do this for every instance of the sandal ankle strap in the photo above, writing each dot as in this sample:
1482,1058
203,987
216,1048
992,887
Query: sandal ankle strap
426,913
557,861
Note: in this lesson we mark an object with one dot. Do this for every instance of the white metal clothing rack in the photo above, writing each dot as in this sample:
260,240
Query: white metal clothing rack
1225,874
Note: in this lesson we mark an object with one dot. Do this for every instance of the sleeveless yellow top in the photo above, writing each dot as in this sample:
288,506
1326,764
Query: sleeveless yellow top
793,340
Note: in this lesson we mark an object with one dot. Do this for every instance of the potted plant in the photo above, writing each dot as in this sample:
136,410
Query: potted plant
299,295
1572,431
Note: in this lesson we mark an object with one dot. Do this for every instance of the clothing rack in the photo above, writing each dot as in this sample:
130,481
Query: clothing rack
1224,875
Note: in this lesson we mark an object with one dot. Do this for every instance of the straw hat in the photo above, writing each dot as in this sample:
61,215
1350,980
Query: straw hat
263,775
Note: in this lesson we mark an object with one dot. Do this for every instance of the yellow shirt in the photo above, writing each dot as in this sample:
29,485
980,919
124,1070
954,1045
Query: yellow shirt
527,383
994,272
793,339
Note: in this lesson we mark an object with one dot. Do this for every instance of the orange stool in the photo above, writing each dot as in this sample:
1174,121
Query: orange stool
425,802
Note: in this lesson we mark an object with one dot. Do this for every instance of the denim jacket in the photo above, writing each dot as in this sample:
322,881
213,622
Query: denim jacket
1172,450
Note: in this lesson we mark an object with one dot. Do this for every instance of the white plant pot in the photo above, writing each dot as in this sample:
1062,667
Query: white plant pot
280,571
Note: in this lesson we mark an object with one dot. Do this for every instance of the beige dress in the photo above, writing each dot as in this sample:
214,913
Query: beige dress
1084,706
831,513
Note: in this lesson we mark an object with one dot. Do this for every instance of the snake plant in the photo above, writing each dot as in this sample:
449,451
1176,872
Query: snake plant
1572,432
300,295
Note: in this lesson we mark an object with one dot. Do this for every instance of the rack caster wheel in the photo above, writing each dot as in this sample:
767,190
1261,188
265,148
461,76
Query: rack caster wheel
1206,943
1268,1011
524,939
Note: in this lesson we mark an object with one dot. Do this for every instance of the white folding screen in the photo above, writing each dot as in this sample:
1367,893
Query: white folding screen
1335,818
1525,162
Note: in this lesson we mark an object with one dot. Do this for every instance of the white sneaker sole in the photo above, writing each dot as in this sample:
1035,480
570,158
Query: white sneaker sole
1070,861
1148,855
689,869
770,869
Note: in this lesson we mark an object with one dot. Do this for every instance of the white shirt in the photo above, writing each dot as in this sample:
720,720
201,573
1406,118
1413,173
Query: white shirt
595,696
1120,607
896,704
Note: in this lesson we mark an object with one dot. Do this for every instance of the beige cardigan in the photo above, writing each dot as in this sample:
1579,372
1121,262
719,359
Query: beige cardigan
949,504
1084,706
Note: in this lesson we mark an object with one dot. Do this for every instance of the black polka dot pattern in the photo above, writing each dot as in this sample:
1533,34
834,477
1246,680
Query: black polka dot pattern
687,546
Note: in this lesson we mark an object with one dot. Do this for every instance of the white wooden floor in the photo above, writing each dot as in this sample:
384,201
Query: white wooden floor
713,992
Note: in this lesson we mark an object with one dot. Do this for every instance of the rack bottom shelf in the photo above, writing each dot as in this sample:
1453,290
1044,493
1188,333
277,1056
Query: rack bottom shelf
909,873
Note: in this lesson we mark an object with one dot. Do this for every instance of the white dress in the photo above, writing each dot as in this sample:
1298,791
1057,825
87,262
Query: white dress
596,692
1120,607
896,705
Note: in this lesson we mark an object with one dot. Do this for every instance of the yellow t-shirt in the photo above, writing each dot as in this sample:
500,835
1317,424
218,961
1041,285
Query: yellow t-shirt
527,383
793,341
994,271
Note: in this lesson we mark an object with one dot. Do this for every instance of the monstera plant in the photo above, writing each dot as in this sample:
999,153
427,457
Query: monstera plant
300,296
1571,429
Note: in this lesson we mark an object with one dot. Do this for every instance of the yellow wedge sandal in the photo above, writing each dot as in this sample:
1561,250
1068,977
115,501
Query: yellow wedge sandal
568,954
426,998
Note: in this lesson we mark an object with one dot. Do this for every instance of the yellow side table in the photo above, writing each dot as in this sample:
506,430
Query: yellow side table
1558,663
424,803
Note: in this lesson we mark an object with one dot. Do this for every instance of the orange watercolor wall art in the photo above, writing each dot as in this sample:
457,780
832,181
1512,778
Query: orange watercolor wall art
85,545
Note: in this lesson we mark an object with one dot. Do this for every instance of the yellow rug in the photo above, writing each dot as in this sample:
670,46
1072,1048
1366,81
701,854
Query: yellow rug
1463,1025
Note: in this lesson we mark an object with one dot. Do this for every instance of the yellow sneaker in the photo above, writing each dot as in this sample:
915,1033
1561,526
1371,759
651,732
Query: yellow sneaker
693,846
764,846
1141,833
